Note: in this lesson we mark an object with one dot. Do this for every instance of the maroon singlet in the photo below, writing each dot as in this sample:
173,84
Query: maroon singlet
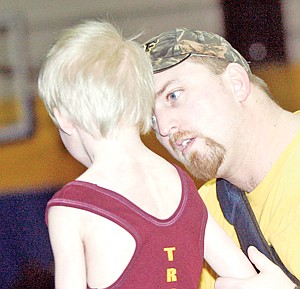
169,253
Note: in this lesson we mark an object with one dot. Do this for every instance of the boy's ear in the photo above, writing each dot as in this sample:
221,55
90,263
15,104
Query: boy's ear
239,81
64,123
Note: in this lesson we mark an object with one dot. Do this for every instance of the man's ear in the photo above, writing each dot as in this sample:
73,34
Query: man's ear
64,123
239,81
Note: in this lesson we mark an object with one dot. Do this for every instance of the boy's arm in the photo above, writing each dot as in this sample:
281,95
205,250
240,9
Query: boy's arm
68,249
223,255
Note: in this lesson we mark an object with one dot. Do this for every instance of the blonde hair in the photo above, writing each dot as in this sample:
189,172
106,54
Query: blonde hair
98,80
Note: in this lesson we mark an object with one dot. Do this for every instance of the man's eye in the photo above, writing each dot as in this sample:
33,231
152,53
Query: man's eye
174,95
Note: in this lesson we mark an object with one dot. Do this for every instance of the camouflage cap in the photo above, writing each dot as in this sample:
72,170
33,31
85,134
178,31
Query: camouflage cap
172,47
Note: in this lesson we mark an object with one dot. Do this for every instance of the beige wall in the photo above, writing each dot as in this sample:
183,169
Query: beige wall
46,18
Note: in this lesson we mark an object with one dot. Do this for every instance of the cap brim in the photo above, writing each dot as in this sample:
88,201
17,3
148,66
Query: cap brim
161,64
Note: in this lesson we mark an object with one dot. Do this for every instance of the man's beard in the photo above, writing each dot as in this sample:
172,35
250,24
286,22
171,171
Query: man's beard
205,165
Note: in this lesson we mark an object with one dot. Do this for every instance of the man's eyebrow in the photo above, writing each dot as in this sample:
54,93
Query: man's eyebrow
161,91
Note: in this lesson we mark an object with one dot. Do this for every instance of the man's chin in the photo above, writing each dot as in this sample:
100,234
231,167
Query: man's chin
202,168
198,174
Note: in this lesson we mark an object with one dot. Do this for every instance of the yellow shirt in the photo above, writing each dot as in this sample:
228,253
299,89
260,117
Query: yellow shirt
276,205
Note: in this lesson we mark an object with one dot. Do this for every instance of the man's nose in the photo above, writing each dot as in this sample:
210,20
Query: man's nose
165,125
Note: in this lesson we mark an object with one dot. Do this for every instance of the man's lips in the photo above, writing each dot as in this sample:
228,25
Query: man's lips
187,146
184,145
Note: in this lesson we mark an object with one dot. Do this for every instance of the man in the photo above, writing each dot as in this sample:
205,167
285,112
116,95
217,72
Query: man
218,119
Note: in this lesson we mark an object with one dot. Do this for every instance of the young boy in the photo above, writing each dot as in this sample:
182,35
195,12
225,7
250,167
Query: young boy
131,220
